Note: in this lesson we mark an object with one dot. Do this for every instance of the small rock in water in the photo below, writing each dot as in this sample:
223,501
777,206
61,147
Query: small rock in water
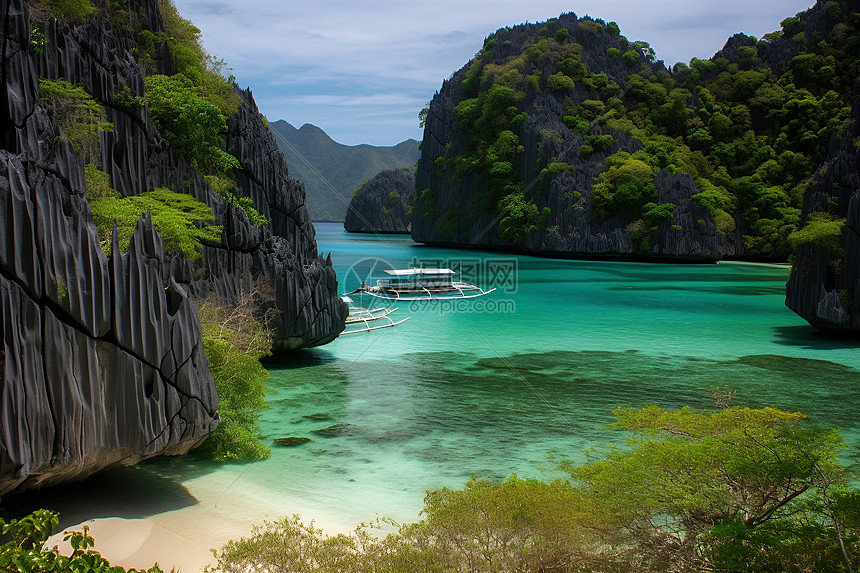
292,441
331,431
319,416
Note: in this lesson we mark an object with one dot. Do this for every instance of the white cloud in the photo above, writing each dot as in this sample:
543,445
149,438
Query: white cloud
305,61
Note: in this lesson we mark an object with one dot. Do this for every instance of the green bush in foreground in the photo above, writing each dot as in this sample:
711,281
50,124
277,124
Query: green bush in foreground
25,550
736,490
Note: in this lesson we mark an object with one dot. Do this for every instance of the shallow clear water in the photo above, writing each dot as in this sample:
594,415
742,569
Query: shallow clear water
516,381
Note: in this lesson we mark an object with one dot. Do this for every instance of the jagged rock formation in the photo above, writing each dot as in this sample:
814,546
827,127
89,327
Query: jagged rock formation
824,287
383,204
101,361
447,213
331,171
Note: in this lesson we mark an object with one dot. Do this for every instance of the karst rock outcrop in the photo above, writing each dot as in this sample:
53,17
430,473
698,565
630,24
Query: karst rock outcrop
383,204
102,363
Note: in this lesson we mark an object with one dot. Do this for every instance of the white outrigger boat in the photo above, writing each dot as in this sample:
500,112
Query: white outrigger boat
360,318
422,284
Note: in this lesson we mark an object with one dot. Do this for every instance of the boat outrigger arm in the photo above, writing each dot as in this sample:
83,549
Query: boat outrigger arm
363,317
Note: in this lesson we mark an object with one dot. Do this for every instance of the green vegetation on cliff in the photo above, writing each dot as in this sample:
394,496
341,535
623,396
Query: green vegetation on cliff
176,216
750,125
78,113
235,337
737,489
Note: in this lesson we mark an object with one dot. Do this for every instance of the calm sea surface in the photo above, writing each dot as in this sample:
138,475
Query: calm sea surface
518,380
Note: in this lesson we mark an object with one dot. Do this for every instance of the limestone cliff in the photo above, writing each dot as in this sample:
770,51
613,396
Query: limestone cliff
824,286
101,361
566,139
383,204
456,206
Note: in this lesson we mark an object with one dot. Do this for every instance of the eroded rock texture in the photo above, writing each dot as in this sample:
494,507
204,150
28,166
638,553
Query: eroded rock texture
450,207
823,288
383,204
102,363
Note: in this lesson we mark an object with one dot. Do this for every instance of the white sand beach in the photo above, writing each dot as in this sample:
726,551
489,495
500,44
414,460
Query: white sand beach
123,513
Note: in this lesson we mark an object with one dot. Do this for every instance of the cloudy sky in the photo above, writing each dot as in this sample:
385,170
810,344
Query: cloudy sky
362,69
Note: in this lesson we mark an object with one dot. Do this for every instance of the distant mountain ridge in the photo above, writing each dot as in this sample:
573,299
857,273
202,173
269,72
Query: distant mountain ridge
332,171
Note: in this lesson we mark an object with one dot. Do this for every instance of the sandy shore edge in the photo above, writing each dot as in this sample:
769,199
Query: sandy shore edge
139,543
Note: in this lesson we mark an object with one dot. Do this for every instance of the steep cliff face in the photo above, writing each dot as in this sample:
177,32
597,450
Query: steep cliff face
383,204
101,362
564,138
555,163
824,286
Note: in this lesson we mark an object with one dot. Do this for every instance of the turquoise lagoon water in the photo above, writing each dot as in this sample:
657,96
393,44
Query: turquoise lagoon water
513,382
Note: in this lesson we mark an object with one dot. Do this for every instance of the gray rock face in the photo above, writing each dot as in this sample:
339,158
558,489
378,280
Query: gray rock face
383,204
102,363
447,213
824,291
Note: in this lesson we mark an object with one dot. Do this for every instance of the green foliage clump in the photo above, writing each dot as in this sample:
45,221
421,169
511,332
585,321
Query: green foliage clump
716,486
212,76
74,11
37,40
429,201
560,83
235,337
644,230
226,188
78,113
736,489
254,216
630,57
98,184
822,231
192,124
520,216
174,215
628,184
125,99
25,549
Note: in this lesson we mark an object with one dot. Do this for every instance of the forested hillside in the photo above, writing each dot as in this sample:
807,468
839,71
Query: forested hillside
331,171
567,138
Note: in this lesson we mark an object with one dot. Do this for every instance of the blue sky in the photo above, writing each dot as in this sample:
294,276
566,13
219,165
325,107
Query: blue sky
361,70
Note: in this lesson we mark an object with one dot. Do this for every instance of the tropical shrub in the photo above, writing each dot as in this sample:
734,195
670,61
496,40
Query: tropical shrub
74,11
193,125
822,231
520,216
78,113
236,336
174,215
98,184
737,489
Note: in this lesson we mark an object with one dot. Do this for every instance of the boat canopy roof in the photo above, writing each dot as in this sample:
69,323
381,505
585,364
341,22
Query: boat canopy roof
410,272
